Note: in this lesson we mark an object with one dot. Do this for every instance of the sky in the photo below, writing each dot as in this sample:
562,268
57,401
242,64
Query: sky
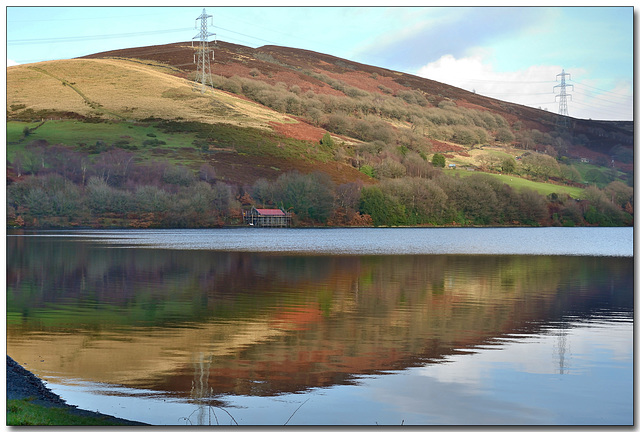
509,53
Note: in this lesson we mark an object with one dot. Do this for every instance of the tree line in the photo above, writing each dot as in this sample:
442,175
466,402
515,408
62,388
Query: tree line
57,187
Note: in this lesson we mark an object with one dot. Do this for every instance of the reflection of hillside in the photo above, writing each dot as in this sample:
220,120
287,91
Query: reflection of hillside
265,324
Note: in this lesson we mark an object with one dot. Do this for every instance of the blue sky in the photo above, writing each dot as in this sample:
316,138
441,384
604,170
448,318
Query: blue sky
509,53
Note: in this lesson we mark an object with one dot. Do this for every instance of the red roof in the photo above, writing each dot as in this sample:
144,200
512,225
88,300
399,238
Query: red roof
270,212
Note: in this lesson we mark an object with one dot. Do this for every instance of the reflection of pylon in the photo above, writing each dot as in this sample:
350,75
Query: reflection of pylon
203,62
200,390
560,349
563,119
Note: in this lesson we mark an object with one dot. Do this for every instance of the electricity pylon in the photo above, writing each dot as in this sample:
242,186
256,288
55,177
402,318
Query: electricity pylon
204,54
563,120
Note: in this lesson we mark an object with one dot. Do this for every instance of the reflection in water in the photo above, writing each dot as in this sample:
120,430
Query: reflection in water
204,325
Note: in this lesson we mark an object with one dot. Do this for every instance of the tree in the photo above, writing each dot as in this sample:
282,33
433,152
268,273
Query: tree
102,198
569,172
504,135
151,199
423,199
390,168
207,173
311,196
263,192
326,140
114,165
533,207
348,195
384,210
619,193
508,165
438,160
540,165
178,175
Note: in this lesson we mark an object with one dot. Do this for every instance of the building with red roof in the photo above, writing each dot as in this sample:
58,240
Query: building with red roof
267,217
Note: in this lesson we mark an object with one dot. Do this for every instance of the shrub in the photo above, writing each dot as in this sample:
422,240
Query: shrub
504,135
178,175
326,140
153,142
390,168
508,165
438,160
150,199
368,170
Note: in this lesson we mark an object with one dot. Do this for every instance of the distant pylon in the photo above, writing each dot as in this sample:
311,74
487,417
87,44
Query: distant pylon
204,55
563,120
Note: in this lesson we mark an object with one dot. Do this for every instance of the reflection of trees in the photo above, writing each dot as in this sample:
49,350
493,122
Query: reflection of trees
269,323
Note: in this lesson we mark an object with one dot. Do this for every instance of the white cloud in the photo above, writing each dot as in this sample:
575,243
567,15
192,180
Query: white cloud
533,86
11,63
530,86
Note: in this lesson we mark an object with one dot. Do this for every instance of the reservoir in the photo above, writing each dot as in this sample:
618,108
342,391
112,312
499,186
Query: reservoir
363,326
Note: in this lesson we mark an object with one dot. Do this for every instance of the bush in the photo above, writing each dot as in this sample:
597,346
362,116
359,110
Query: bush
504,135
102,198
438,160
390,168
178,175
153,142
508,165
326,140
368,170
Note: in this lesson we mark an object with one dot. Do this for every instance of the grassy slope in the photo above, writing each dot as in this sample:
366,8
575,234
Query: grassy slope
125,90
519,183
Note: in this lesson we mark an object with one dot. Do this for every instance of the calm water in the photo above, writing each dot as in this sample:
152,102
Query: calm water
329,326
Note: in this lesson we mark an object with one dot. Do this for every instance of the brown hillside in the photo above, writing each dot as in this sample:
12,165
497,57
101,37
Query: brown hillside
282,64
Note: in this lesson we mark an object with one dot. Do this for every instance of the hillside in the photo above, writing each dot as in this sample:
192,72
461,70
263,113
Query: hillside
277,110
288,65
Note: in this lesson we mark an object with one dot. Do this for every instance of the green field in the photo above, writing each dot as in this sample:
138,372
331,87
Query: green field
519,183
175,136
25,413
84,135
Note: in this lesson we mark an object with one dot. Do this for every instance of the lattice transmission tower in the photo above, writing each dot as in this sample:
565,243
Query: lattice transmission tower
203,56
563,120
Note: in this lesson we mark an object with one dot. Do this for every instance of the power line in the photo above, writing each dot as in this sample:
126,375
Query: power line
87,38
246,35
606,91
101,17
603,97
509,82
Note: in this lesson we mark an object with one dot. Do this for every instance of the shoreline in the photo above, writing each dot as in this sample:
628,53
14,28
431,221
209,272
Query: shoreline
23,384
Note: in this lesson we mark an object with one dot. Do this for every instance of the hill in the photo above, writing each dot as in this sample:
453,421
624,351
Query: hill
309,70
278,110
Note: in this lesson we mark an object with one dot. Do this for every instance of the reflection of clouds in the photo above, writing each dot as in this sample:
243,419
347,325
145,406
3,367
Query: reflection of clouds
583,346
445,403
615,340
519,382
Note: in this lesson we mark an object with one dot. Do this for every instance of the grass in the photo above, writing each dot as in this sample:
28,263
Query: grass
78,134
24,413
122,89
519,183
176,135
